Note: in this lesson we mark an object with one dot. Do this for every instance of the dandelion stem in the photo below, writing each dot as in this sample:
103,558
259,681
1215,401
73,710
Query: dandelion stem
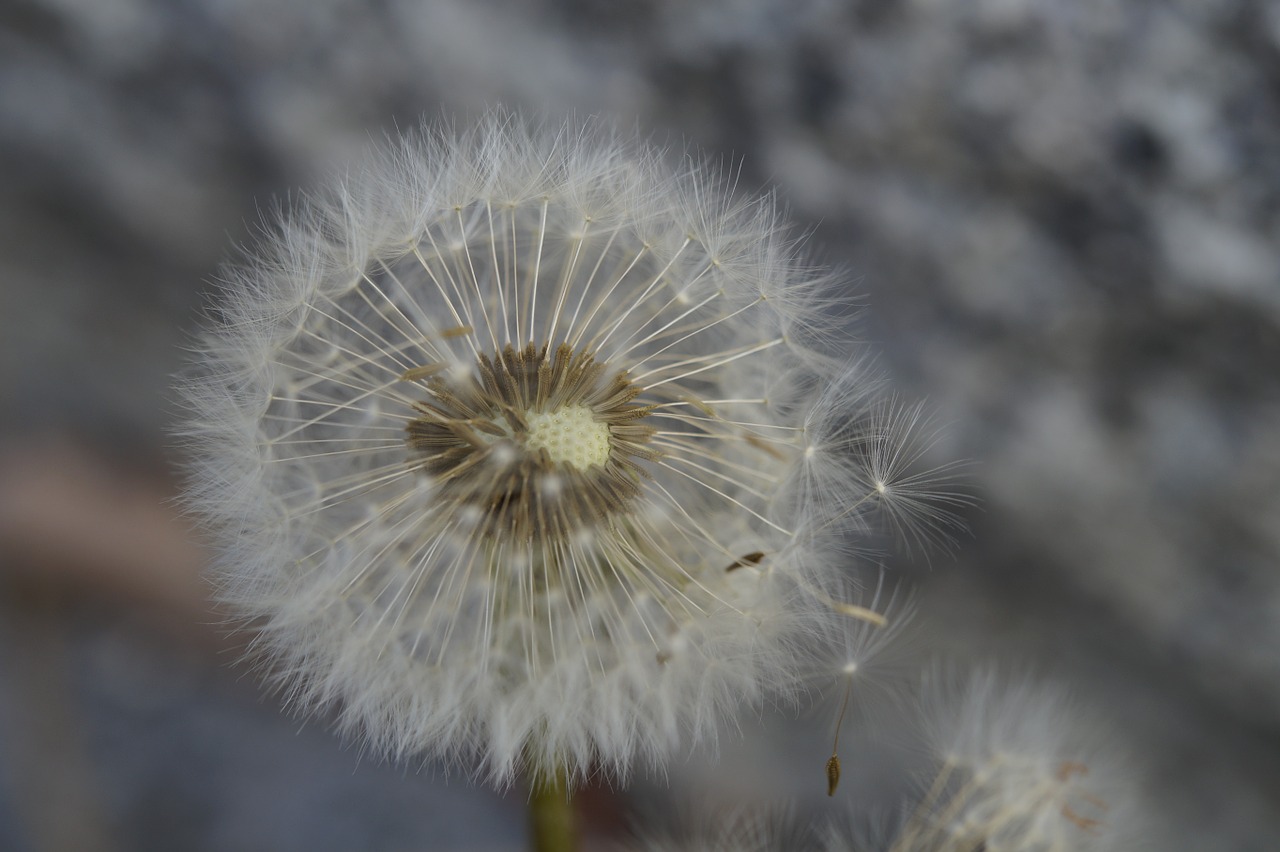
552,823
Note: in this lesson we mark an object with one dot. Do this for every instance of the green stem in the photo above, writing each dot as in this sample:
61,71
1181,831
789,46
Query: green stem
552,823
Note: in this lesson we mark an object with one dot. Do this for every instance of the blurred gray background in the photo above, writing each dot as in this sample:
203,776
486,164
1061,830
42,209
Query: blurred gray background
1062,218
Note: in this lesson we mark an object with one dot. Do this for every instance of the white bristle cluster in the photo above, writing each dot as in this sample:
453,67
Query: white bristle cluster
521,448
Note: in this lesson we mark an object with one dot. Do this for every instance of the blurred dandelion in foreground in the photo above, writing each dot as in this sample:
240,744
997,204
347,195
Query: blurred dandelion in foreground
1021,769
528,450
1018,768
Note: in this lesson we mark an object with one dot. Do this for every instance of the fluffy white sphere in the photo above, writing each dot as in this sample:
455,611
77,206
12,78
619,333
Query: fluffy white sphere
521,450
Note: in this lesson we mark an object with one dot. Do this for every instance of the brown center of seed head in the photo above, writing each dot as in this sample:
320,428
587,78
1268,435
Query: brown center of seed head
539,442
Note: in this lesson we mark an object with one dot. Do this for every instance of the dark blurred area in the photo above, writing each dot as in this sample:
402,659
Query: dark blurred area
1063,220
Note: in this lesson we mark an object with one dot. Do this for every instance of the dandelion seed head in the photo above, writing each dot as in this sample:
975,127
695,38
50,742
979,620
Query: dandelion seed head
522,448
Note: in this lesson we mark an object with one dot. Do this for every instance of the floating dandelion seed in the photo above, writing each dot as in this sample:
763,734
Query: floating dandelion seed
853,652
522,449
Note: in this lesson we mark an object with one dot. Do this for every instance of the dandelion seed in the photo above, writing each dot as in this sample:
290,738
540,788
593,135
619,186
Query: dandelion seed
854,653
509,442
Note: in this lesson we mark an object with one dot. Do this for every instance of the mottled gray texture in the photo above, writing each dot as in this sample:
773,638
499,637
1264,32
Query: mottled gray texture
1064,219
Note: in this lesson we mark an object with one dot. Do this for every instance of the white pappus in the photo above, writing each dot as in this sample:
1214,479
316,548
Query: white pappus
520,450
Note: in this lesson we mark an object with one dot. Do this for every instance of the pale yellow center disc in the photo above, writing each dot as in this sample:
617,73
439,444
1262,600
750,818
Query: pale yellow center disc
570,435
